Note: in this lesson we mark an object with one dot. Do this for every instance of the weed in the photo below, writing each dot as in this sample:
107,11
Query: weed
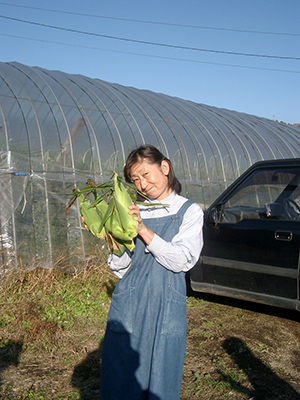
206,382
262,347
195,302
52,325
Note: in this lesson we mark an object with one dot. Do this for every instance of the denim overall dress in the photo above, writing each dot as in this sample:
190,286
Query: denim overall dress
144,344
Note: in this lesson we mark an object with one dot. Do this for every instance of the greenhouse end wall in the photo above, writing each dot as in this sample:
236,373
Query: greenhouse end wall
57,130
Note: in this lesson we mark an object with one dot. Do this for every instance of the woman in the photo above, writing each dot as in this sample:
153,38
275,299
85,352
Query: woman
144,344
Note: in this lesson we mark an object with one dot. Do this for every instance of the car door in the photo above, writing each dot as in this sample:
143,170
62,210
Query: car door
252,238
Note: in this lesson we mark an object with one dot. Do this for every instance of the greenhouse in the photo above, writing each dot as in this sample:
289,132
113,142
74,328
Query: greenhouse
57,130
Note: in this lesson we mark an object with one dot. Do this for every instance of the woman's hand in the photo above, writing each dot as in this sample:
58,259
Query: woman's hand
145,233
110,241
83,223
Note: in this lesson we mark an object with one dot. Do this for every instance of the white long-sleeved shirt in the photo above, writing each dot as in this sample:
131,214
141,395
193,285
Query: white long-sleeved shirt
182,253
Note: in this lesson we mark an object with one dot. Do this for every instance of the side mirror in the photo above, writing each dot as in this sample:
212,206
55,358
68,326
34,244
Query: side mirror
215,214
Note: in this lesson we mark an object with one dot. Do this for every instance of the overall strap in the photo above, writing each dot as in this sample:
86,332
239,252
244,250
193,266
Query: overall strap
184,207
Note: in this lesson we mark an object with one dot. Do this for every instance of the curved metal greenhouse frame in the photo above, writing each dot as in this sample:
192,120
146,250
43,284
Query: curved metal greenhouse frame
58,129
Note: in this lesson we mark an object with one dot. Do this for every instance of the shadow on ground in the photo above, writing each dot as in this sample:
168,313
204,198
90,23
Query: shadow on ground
266,384
10,355
86,375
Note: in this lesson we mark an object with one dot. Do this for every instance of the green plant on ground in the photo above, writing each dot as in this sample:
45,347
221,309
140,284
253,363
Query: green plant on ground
52,325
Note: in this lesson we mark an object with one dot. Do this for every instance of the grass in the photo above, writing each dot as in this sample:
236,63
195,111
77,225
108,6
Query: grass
52,325
50,321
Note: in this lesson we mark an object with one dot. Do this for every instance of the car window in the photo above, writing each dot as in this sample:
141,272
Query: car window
270,194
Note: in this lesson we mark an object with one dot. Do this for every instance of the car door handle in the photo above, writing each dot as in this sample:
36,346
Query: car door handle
283,235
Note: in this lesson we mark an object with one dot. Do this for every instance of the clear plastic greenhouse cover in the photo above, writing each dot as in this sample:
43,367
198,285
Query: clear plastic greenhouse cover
56,130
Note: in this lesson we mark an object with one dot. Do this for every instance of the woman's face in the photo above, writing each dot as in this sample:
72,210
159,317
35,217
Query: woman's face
151,179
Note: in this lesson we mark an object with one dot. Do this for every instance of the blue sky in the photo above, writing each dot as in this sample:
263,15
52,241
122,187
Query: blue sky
234,54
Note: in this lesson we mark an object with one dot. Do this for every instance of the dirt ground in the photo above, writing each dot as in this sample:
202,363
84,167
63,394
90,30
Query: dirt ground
235,350
255,349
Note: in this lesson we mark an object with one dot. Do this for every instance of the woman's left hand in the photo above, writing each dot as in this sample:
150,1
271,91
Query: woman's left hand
134,209
145,233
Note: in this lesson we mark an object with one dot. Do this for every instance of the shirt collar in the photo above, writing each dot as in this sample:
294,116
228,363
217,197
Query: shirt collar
166,200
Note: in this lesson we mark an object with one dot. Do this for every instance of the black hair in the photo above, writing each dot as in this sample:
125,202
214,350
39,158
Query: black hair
153,156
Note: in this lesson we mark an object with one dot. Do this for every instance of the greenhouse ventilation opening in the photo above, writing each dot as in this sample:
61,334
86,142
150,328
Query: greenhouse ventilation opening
57,129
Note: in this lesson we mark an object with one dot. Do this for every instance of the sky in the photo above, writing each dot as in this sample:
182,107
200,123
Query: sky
235,54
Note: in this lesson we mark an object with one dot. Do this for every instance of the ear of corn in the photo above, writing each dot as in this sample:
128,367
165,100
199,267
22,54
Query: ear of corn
114,227
108,216
122,203
101,208
105,218
91,217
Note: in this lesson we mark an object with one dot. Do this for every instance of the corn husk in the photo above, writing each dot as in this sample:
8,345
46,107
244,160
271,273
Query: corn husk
107,216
